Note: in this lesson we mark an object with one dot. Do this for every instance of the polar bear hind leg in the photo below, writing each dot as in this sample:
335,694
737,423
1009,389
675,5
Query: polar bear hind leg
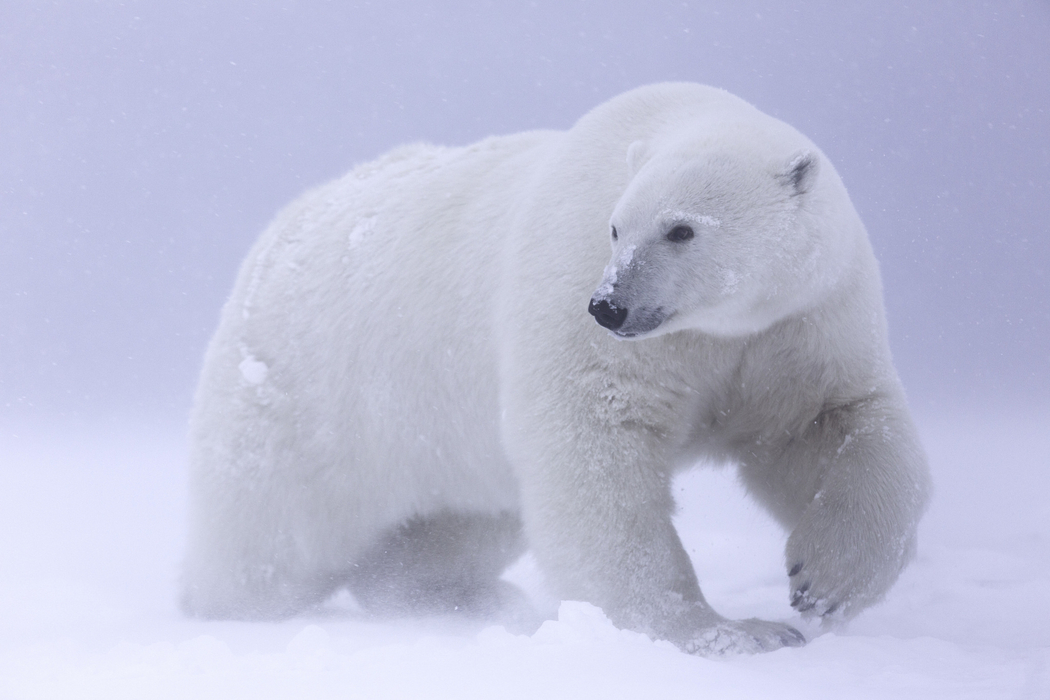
446,562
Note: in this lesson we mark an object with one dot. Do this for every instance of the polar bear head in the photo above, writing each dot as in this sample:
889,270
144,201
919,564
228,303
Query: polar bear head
722,235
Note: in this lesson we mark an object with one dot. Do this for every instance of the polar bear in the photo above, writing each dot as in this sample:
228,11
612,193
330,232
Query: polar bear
406,389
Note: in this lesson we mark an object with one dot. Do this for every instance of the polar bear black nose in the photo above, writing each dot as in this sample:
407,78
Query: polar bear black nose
607,315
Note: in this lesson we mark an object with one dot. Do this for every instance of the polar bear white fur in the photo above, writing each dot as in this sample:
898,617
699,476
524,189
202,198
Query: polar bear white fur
406,390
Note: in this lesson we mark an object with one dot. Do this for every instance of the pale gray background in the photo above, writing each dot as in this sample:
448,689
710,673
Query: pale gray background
143,147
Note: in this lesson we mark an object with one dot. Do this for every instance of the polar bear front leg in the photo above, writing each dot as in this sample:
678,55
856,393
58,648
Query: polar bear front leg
851,488
597,510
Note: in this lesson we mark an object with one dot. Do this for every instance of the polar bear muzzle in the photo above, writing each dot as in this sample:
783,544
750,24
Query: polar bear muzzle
625,322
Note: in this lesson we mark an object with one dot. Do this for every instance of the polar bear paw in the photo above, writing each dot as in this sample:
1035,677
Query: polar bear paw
811,603
743,637
837,569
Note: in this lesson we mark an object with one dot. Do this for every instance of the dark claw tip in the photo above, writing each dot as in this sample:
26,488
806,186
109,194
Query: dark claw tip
799,597
795,569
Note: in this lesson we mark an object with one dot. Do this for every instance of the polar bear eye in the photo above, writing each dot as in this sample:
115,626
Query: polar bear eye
680,233
614,233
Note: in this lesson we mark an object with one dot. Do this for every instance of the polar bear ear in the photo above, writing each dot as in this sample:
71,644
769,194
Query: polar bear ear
801,172
637,154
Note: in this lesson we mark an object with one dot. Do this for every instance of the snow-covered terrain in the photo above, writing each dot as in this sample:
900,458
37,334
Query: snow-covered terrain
91,528
144,145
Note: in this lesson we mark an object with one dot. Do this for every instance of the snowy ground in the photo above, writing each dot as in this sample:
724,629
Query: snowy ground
91,526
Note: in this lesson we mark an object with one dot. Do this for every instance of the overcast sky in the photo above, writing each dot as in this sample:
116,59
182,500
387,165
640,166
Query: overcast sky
144,146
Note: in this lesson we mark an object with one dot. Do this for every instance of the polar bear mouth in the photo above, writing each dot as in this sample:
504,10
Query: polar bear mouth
641,322
625,322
